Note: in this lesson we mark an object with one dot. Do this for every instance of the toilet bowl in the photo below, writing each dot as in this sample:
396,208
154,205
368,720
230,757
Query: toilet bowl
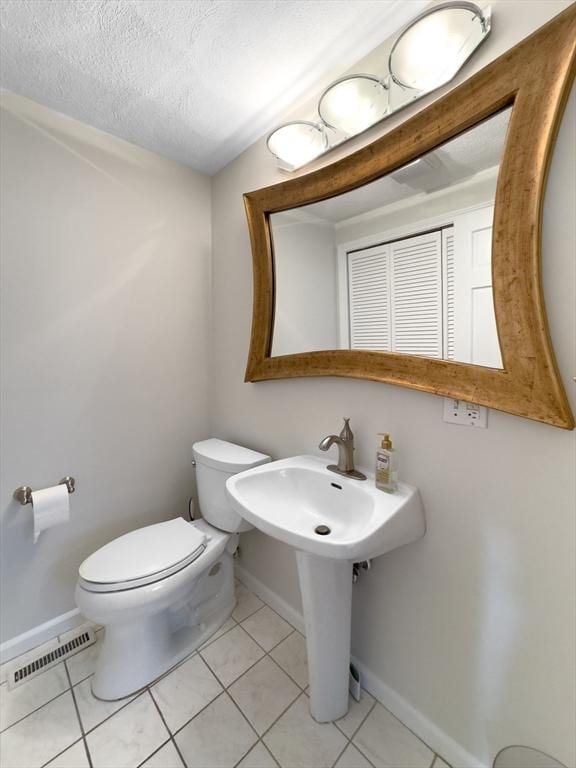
163,590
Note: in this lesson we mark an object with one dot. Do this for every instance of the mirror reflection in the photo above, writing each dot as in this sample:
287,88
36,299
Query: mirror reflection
399,265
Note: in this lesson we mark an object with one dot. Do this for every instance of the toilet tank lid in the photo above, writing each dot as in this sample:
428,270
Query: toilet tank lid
143,552
227,457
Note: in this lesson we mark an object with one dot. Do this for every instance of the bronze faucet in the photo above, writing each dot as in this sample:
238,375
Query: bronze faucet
345,443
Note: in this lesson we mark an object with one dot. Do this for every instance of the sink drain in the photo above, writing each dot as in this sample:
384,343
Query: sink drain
322,530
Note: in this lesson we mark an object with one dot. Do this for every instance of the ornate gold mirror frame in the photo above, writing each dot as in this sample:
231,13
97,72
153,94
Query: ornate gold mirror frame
533,78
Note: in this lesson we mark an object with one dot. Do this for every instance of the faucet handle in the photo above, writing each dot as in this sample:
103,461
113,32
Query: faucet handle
346,433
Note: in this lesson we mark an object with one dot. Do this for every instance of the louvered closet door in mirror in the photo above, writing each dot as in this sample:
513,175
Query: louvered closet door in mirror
395,296
417,295
369,310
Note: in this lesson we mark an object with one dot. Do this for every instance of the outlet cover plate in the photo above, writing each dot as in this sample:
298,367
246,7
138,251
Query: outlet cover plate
465,414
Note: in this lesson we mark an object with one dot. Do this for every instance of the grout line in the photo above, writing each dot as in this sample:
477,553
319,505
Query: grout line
164,743
47,765
76,707
195,652
213,639
353,744
88,755
348,742
302,688
361,752
408,729
116,711
273,660
239,621
225,687
282,617
32,711
269,752
285,708
181,727
282,714
355,731
264,733
237,763
249,723
260,645
292,630
172,739
254,747
225,690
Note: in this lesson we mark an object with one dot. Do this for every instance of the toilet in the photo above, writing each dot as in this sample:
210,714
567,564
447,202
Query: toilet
163,590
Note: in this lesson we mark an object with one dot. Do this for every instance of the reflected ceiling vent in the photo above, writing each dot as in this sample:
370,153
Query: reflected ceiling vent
422,173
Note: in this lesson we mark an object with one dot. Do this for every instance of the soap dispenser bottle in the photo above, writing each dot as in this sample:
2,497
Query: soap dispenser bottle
386,466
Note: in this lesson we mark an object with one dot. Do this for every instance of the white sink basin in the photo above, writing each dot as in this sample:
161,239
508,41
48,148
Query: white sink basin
288,499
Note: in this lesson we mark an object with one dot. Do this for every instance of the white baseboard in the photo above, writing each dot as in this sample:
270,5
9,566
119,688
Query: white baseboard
280,605
39,635
425,729
439,741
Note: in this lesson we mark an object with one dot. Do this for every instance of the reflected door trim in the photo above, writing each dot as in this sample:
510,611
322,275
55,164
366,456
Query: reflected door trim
533,78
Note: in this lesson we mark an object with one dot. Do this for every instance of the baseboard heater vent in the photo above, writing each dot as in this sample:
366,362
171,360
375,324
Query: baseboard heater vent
22,672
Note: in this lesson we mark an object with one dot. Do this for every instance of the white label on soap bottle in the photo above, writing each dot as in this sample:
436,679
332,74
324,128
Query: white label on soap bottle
383,462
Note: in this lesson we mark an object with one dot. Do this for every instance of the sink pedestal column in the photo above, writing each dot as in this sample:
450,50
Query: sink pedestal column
326,587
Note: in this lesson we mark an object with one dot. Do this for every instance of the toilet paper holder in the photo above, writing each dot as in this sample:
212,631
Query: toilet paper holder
23,494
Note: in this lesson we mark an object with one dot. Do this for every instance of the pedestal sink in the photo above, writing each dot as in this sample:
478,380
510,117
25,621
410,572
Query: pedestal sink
332,522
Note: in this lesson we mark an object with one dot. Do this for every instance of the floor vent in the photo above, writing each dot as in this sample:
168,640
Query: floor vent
21,672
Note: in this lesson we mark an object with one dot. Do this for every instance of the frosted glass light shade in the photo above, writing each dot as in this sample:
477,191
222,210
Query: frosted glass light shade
431,50
353,103
295,144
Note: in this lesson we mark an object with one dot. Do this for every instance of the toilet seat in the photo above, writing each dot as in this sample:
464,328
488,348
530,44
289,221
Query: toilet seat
144,556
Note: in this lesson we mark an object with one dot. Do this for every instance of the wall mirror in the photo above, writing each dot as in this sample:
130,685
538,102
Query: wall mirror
402,264
416,260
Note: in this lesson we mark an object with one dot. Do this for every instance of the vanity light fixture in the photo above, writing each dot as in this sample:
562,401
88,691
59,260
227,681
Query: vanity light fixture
354,103
295,144
425,55
431,49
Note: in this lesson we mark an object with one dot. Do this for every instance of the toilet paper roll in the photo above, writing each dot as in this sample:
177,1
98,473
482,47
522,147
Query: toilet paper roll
51,507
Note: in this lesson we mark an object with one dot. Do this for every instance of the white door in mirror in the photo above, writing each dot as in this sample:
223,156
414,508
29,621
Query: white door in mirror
465,414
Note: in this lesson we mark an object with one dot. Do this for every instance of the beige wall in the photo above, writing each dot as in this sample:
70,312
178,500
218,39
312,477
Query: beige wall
305,316
474,625
105,285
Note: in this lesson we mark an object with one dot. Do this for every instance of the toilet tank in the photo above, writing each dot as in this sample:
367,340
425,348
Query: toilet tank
216,461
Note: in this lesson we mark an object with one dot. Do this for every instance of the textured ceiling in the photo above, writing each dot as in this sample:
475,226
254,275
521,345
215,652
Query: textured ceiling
195,80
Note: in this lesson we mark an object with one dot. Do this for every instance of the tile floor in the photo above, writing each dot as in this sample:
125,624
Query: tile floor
239,701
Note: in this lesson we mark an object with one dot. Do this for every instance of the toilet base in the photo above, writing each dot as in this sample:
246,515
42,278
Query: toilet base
148,630
137,653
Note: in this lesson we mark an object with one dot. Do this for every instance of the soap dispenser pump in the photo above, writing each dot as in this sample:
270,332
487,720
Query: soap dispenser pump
386,465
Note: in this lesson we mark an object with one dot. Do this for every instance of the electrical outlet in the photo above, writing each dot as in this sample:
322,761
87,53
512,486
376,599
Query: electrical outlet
465,414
